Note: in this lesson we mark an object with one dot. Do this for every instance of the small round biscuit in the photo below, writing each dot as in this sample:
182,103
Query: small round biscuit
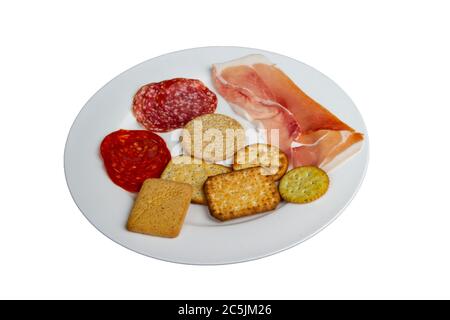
304,184
270,158
212,137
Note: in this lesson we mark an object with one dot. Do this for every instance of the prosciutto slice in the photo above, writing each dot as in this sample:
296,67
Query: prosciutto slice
308,133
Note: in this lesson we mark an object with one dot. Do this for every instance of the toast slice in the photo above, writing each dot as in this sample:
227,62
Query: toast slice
194,172
241,193
160,208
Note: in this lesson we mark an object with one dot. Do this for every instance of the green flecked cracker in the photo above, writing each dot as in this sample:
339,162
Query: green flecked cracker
304,184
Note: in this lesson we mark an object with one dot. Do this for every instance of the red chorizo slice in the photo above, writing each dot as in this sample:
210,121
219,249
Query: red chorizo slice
132,156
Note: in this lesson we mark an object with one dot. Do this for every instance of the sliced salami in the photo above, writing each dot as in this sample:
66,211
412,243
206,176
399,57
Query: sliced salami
170,104
132,156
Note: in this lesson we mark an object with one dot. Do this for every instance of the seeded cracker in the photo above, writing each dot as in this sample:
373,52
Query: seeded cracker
212,137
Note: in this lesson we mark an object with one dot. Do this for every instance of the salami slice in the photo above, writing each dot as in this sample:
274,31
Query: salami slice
170,104
132,156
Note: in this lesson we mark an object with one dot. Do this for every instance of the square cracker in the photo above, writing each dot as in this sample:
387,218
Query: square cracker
241,193
160,208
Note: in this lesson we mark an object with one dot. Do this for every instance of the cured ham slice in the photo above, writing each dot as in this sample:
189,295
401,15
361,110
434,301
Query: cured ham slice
309,133
248,95
326,148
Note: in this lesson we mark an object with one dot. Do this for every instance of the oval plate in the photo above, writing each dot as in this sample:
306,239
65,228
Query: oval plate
202,240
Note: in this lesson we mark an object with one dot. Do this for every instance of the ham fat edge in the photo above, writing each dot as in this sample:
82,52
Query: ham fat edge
308,133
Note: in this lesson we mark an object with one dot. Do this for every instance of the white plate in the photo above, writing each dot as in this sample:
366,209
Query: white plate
202,240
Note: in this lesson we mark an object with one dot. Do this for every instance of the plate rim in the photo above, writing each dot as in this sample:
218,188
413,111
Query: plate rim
237,260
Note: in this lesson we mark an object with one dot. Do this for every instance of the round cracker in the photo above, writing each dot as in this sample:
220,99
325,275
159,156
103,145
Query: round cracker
212,137
270,158
304,184
194,172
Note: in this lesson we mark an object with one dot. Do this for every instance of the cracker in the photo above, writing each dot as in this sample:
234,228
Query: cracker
194,172
304,184
270,158
240,193
212,137
160,208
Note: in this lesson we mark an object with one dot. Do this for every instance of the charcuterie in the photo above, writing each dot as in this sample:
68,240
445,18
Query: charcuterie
132,156
170,104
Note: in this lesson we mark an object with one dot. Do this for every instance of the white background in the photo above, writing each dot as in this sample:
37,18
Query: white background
391,57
